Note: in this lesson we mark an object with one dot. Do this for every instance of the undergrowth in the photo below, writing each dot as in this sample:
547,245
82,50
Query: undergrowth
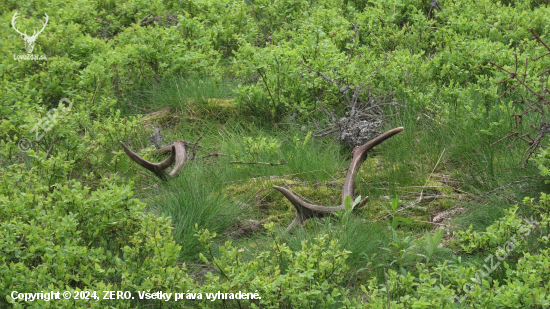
253,82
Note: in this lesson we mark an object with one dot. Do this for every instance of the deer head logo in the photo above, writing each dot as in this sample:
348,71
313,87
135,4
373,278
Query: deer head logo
29,40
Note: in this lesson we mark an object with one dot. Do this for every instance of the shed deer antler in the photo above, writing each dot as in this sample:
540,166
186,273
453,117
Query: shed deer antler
306,210
178,154
29,40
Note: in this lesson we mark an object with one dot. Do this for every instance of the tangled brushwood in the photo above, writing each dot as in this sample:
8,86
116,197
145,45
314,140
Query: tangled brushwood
363,113
533,101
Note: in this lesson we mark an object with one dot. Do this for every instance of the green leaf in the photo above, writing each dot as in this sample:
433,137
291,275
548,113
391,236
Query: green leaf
347,203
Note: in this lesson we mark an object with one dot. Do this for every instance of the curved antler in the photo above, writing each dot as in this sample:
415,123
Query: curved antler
34,34
29,40
306,210
13,25
178,154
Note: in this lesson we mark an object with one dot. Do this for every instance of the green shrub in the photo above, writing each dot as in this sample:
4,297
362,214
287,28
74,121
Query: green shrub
282,278
65,236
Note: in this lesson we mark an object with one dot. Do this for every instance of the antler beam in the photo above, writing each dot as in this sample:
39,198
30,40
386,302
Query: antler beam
178,154
306,210
34,34
13,25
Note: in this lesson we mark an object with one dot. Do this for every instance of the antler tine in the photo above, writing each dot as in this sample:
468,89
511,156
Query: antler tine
306,210
34,34
44,24
180,148
177,154
13,24
359,154
156,168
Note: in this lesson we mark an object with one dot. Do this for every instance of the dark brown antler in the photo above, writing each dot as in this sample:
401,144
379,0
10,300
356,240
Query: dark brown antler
178,154
306,210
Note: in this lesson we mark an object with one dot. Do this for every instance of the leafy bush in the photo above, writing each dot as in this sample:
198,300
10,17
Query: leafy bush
65,236
511,228
496,234
281,277
457,286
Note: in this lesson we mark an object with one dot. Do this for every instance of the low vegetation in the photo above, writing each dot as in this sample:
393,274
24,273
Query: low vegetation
269,96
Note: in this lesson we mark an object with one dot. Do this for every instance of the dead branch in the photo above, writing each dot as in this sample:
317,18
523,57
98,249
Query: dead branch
537,103
364,112
215,154
282,162
194,148
145,21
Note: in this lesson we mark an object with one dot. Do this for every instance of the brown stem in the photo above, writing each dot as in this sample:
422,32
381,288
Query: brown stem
282,162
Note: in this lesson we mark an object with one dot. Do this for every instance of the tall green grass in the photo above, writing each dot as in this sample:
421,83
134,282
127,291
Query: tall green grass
362,239
456,143
198,195
178,92
315,160
196,198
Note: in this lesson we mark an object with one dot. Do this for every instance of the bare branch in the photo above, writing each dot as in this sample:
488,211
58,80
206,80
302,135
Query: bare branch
328,79
534,102
215,154
539,39
363,116
282,162
193,154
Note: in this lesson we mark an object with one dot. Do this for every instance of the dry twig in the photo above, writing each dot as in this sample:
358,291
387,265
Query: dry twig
533,101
